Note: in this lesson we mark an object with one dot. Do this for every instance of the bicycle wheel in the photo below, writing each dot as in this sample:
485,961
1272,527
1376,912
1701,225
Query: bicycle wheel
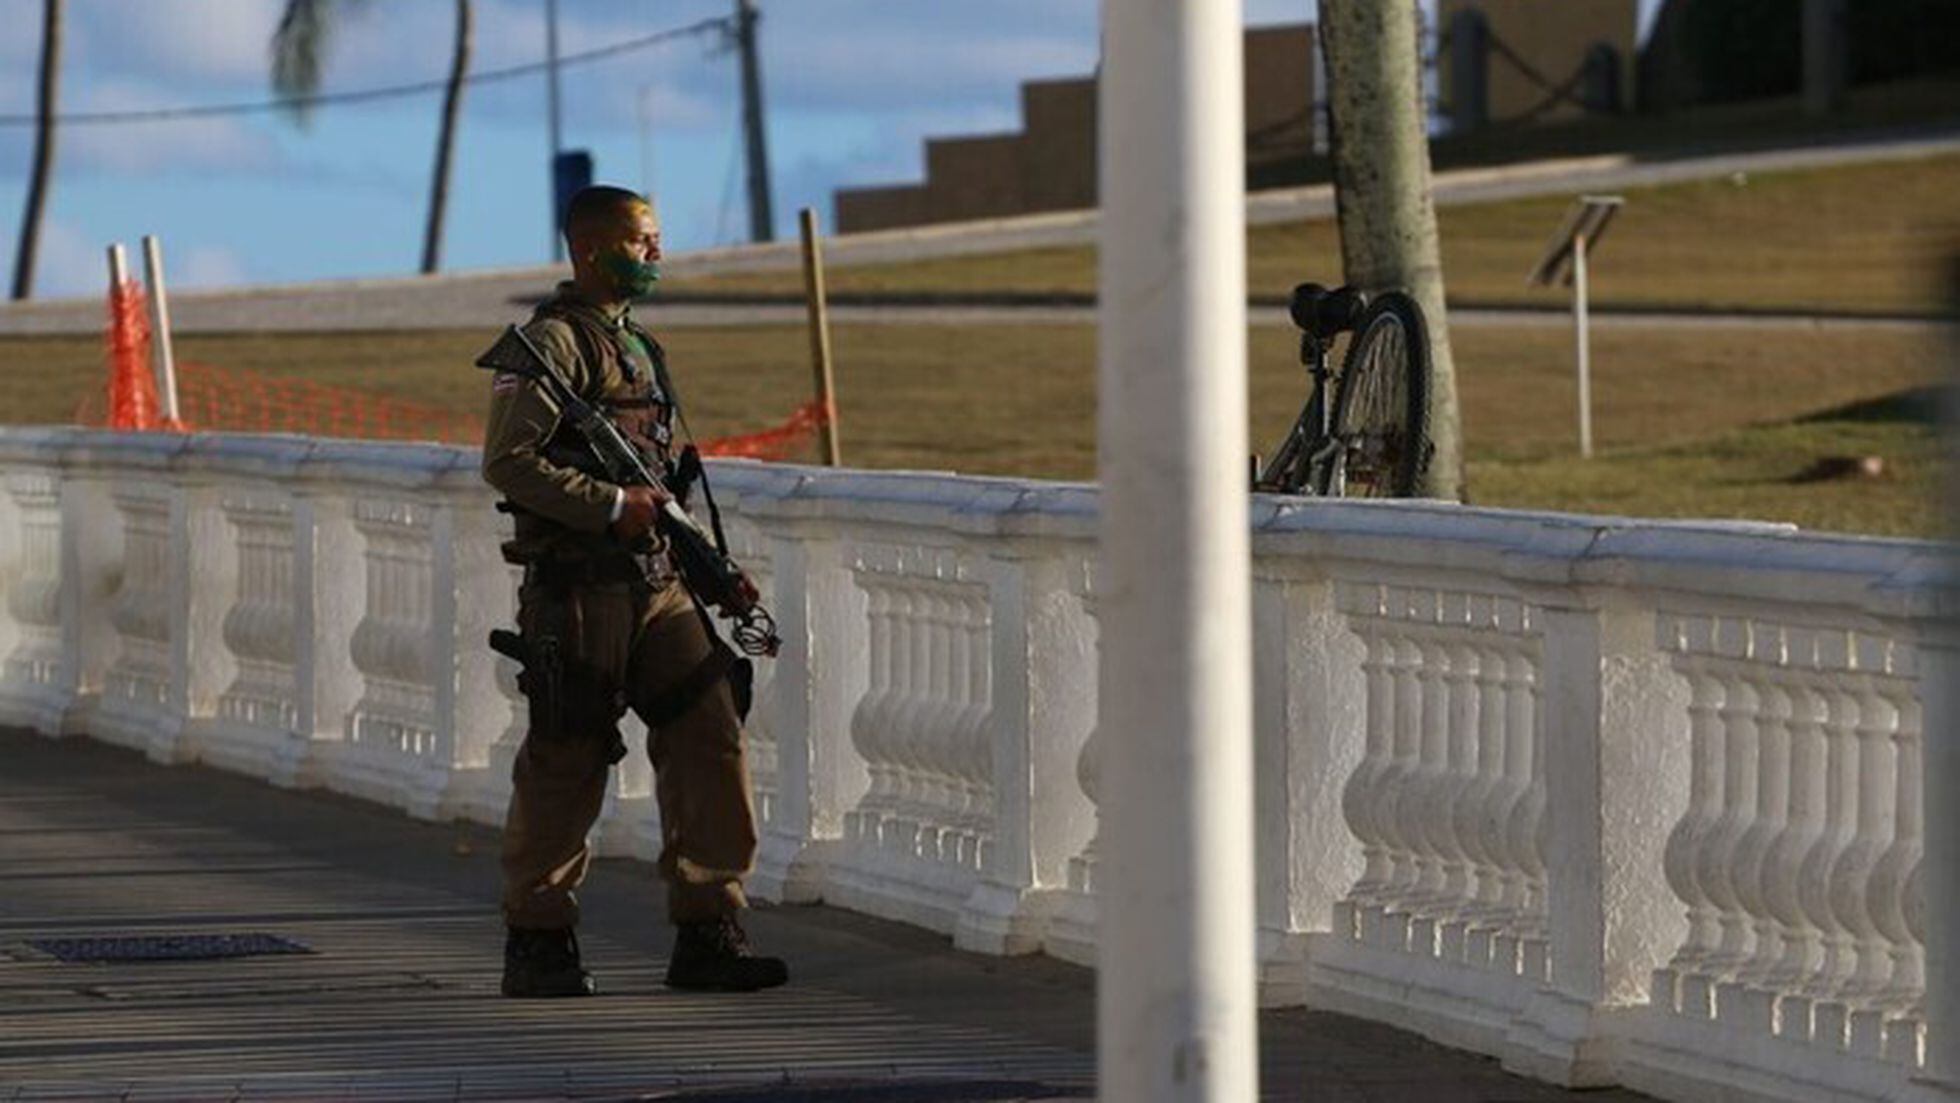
1381,403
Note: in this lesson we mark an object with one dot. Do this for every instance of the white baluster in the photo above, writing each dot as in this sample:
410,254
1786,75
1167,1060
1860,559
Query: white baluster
1718,870
932,730
1461,784
1534,927
1878,719
1361,795
912,612
1428,782
975,731
870,719
1691,835
1840,813
1518,823
1799,936
1771,812
1393,818
1902,999
1478,814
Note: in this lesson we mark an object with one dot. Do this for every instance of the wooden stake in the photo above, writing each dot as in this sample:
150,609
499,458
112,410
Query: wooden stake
819,335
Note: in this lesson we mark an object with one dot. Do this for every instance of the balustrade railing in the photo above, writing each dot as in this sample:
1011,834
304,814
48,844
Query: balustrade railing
1614,801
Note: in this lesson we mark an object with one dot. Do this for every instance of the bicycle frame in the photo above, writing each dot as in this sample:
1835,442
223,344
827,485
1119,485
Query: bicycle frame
1310,448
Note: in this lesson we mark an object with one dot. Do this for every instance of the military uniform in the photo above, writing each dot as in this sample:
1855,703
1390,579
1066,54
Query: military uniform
616,630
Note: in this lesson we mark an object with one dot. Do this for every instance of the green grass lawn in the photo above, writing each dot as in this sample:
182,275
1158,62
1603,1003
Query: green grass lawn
1689,423
1859,238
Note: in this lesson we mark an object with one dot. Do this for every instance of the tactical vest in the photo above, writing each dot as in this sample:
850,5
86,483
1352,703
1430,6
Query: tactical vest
639,402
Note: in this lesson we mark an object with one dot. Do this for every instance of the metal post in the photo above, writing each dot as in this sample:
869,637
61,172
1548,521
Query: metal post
166,362
1826,52
826,384
1176,1013
551,99
762,216
1583,332
118,267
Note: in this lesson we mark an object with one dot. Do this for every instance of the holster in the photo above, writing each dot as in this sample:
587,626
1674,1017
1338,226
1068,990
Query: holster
568,698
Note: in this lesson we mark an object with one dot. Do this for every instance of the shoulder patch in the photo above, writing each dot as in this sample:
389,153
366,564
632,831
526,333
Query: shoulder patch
505,383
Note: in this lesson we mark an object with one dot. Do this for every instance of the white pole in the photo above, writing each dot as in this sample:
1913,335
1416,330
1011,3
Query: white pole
166,362
1584,337
118,267
1176,1016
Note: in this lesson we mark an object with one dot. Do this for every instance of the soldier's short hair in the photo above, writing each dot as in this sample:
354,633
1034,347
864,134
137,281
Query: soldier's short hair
596,205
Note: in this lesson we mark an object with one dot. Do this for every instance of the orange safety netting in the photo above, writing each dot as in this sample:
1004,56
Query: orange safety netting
132,389
774,443
227,400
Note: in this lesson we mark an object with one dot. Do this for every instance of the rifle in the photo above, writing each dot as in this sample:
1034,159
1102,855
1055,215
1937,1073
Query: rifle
704,566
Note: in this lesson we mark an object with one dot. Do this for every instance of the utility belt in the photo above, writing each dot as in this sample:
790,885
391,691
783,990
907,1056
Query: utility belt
570,698
561,575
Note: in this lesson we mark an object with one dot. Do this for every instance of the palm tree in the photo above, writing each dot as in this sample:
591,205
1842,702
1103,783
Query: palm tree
1382,195
37,188
299,48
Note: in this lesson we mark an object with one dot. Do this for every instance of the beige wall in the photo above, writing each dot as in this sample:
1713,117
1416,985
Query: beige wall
1552,36
1050,164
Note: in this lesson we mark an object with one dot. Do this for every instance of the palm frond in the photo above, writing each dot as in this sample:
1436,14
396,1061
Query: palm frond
299,50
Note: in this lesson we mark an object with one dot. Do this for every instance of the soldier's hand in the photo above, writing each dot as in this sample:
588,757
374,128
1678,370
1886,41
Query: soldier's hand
637,511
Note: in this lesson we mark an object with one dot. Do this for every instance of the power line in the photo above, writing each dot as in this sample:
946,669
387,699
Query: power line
367,95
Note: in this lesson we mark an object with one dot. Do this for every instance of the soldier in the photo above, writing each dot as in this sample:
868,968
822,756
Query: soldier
609,626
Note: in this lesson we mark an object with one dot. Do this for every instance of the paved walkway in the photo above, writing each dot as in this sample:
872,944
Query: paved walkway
398,999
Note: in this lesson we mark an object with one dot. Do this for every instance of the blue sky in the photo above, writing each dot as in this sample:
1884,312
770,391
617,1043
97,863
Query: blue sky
852,87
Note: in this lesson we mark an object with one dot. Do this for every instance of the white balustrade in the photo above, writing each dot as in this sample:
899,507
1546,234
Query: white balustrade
1613,801
39,669
916,845
1796,858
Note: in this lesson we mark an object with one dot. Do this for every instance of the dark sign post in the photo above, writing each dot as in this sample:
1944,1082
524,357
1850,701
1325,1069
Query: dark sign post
570,171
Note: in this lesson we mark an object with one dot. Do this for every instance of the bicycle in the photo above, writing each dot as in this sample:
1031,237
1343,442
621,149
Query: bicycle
1372,439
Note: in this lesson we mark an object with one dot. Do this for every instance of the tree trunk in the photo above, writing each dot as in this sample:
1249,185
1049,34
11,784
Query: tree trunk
452,104
1381,190
37,188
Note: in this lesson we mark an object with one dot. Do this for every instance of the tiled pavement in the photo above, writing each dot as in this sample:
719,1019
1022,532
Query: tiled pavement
399,1001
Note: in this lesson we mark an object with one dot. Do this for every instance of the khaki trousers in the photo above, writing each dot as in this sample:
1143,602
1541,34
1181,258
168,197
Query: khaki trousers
646,643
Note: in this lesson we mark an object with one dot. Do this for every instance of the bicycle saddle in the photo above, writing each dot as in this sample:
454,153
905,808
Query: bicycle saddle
1322,313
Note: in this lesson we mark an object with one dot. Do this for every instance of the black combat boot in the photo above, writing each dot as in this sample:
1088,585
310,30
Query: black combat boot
715,957
543,964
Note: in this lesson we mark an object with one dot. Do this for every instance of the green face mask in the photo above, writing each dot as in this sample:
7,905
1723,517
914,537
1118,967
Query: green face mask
633,278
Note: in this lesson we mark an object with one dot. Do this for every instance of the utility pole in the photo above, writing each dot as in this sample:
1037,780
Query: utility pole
762,219
551,99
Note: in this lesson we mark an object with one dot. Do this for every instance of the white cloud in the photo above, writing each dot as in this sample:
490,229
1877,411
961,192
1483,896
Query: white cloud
207,266
205,41
68,263
211,145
